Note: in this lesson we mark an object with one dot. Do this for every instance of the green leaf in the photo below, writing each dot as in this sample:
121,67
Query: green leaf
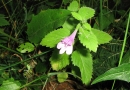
102,37
88,39
59,61
3,21
70,23
86,12
62,77
45,22
10,85
54,37
25,47
76,16
87,26
83,59
74,6
119,73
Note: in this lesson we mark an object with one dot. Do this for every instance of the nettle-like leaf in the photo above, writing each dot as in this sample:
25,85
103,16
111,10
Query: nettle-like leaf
88,39
3,21
59,61
86,26
10,84
102,37
76,16
74,5
54,37
83,59
118,73
25,47
86,12
45,22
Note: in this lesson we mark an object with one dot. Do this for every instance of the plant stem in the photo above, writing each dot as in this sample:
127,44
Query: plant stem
9,49
1,32
24,60
101,15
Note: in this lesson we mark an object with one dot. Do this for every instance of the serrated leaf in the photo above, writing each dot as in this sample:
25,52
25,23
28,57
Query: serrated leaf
118,73
88,39
83,60
62,77
87,26
45,22
86,12
25,47
54,37
3,21
59,61
10,85
73,6
76,16
102,37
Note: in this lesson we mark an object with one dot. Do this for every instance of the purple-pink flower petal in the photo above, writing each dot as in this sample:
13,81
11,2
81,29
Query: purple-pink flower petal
66,44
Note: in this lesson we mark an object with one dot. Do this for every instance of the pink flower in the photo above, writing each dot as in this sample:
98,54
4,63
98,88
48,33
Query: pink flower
67,44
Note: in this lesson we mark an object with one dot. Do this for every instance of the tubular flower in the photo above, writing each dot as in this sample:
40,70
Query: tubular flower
66,45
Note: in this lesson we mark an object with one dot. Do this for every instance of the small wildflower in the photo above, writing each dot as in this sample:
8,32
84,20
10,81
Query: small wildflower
67,44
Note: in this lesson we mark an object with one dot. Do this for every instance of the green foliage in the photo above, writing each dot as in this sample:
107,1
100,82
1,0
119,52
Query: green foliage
54,37
76,16
88,39
108,18
102,37
74,6
107,57
45,22
3,21
10,84
48,22
62,77
59,61
86,12
83,59
126,57
120,73
25,47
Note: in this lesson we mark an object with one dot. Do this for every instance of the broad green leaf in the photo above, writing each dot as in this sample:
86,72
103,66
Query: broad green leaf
54,37
86,12
74,6
25,47
76,16
59,61
102,37
45,22
118,73
70,23
83,59
86,26
62,77
3,21
10,84
88,39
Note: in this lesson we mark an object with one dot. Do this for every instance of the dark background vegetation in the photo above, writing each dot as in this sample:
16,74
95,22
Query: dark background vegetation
20,12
